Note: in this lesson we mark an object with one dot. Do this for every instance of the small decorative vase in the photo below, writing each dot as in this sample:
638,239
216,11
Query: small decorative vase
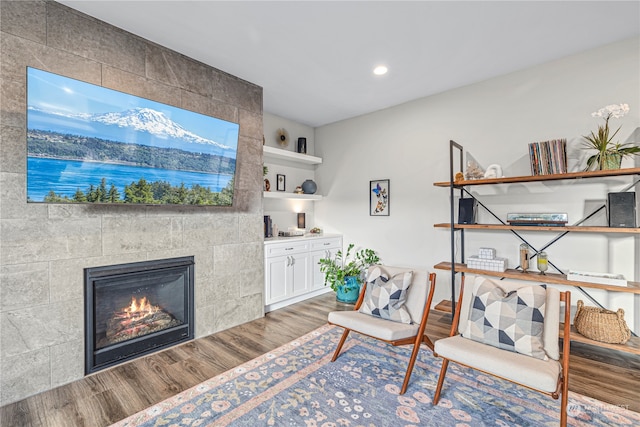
309,187
610,161
349,291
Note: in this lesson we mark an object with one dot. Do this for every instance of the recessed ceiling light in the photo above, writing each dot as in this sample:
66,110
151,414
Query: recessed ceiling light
380,70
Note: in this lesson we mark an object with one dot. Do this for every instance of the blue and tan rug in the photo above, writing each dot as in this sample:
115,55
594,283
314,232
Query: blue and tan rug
297,385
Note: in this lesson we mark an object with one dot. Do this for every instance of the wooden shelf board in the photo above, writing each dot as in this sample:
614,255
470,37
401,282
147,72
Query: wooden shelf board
283,195
580,229
536,178
551,278
277,153
444,306
631,346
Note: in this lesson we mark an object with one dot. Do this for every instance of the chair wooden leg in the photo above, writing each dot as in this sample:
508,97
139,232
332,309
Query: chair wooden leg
563,402
340,344
412,362
443,371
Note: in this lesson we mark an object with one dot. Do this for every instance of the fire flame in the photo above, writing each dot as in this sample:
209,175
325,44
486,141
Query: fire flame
140,309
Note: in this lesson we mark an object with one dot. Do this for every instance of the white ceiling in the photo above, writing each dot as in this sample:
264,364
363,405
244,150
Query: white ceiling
314,59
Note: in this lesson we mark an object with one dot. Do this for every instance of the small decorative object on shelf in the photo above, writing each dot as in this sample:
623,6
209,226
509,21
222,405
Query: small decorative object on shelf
487,253
474,170
487,260
267,185
609,154
601,278
309,186
298,190
282,136
315,230
543,262
524,257
493,171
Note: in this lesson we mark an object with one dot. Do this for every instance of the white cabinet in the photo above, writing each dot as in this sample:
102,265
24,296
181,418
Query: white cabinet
292,273
286,270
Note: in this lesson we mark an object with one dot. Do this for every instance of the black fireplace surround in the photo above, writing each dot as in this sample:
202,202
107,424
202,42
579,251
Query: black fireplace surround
135,309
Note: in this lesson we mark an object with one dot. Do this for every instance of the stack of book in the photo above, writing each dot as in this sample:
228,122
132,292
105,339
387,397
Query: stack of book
548,157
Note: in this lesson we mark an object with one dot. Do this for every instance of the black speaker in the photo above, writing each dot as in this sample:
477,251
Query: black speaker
467,210
302,146
621,209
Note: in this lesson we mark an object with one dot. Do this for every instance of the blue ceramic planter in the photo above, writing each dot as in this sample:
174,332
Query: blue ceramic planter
350,291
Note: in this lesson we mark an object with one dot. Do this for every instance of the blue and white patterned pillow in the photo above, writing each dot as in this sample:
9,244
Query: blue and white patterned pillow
511,321
385,297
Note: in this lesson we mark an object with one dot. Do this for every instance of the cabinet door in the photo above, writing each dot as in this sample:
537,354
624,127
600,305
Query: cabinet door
276,277
299,273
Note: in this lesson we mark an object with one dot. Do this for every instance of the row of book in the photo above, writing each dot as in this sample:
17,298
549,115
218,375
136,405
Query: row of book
548,157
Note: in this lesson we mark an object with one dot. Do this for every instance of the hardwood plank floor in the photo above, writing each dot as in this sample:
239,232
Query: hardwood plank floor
114,394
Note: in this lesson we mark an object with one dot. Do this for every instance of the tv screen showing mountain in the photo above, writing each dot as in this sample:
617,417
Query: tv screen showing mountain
90,144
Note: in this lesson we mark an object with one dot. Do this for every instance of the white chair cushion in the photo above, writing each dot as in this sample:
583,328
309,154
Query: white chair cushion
535,373
373,326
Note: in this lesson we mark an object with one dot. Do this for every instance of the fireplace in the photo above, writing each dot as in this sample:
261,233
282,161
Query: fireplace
134,309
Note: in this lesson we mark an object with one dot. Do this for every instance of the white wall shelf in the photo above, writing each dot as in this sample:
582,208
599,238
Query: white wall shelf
277,153
283,195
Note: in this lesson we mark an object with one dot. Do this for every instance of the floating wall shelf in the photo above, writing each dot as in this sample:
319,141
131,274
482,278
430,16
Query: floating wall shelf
277,153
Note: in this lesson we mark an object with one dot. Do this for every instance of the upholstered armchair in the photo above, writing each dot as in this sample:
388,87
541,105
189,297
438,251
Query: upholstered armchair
510,329
393,307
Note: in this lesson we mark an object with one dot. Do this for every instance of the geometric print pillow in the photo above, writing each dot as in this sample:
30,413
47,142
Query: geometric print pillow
511,321
385,297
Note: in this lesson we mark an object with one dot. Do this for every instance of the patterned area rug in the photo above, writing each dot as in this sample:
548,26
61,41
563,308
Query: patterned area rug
297,385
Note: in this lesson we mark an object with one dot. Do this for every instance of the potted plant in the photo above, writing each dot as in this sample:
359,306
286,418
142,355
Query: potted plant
609,154
344,272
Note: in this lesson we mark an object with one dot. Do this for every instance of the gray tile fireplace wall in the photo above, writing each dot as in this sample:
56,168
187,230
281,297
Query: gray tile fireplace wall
45,247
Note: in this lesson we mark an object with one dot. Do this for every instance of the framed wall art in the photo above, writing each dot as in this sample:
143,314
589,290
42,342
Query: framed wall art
281,181
379,197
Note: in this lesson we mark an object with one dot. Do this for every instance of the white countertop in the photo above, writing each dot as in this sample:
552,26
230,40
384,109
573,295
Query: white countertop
270,240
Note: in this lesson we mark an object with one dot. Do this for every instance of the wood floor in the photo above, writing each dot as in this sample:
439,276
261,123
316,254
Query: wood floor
114,394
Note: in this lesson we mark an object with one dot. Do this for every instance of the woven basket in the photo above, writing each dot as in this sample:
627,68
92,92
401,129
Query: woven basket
602,325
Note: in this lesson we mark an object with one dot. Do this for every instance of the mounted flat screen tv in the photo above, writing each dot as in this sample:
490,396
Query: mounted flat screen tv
89,144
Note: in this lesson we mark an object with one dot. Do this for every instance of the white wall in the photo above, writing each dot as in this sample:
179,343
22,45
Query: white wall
494,120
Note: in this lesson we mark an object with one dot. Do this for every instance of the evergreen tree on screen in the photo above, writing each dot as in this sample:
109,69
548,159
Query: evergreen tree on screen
140,192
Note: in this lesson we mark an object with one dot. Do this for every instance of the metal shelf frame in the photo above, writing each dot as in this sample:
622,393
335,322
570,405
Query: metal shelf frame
460,186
